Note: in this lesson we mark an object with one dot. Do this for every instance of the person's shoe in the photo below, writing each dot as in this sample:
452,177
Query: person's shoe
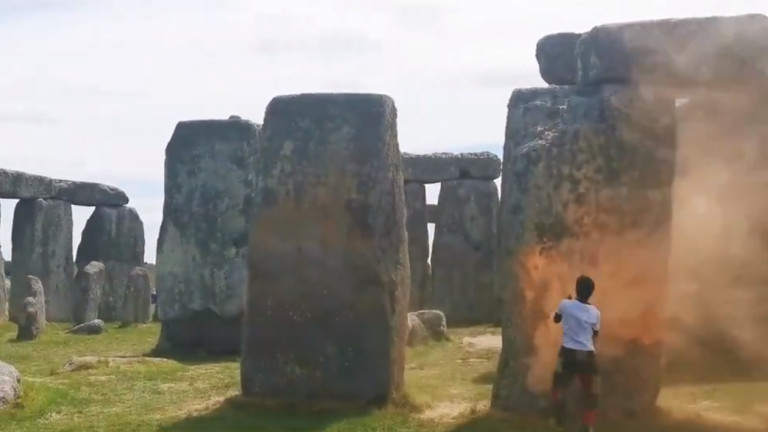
586,428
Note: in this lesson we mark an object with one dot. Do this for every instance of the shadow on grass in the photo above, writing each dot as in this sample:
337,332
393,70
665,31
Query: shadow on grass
485,378
194,358
239,414
658,422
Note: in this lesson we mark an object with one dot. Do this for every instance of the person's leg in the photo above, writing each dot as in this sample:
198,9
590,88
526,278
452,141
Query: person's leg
560,382
590,385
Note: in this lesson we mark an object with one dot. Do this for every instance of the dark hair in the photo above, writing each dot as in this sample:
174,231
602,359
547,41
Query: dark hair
585,287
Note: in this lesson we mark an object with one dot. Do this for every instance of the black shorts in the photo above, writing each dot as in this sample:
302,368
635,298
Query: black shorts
572,362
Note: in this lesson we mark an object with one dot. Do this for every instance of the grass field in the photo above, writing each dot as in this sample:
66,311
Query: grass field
448,385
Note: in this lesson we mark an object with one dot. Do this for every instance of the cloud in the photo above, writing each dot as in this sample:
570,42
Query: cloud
96,95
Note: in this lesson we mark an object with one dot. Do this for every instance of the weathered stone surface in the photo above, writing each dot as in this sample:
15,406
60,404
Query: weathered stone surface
4,291
30,326
435,323
431,213
42,247
10,385
32,315
464,252
89,283
440,167
418,243
417,334
556,55
201,251
89,194
21,185
585,189
136,307
90,328
113,236
712,51
328,253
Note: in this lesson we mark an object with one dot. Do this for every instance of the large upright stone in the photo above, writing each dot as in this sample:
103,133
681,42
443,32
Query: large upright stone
719,189
712,51
31,319
136,307
556,55
201,269
431,213
3,291
585,189
42,247
464,252
89,283
440,167
326,315
113,236
418,243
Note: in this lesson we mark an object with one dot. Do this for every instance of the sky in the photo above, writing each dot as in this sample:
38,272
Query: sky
92,89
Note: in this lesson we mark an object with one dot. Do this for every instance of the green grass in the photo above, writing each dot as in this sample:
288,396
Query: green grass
448,384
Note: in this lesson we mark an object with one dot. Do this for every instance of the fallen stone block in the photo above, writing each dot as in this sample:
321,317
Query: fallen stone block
10,385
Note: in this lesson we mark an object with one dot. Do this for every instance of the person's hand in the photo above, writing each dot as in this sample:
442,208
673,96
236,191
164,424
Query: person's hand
570,297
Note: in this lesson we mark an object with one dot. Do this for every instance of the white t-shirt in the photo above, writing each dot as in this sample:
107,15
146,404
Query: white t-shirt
579,322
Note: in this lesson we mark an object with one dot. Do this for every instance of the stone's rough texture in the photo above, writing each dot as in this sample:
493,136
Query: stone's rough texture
42,247
328,254
713,51
440,167
585,189
432,213
464,252
89,194
556,55
137,304
201,250
89,283
417,333
4,291
435,323
21,185
10,385
30,324
94,327
113,236
418,243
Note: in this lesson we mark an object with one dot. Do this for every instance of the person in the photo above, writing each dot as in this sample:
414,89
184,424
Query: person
576,359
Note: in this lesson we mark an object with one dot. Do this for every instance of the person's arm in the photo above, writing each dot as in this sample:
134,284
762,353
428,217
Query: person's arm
559,314
596,327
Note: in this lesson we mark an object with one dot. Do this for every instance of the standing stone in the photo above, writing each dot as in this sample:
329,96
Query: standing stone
136,307
4,291
464,252
431,213
31,319
585,190
201,269
42,247
418,243
326,314
707,52
113,236
556,55
89,282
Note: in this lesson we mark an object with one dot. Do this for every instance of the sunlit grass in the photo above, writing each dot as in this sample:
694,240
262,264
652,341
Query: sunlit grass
448,388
